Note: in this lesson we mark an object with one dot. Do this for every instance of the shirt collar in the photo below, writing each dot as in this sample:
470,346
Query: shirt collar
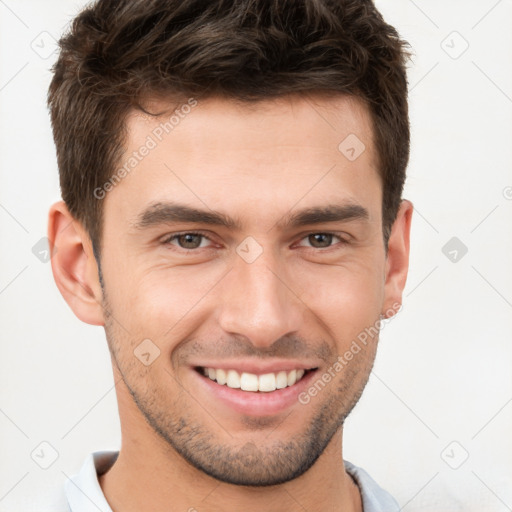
83,489
373,497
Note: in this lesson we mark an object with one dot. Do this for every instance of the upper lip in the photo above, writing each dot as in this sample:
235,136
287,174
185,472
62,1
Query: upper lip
257,367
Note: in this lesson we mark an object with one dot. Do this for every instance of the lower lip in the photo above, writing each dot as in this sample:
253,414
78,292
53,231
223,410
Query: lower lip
255,403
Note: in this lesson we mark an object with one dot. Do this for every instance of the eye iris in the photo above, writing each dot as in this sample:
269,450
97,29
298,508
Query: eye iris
327,239
187,241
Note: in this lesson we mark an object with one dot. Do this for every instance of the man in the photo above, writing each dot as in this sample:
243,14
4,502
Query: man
231,175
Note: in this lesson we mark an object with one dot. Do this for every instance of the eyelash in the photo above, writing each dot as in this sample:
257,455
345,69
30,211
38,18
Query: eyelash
170,238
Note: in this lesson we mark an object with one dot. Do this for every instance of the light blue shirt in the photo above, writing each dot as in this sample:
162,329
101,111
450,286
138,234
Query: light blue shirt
84,494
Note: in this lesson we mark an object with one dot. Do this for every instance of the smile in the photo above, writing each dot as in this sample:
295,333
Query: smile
245,381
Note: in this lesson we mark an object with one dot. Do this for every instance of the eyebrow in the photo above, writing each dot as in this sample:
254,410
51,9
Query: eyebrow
165,213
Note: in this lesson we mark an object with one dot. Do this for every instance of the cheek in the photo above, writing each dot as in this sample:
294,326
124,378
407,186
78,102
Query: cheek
346,298
159,302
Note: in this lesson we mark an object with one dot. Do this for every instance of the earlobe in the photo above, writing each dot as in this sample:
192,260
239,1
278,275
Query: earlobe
73,265
397,261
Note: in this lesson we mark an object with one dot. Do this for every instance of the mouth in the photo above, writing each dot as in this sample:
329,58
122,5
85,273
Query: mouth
252,390
252,382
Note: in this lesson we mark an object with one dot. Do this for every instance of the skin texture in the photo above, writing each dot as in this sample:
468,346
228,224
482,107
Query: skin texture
302,300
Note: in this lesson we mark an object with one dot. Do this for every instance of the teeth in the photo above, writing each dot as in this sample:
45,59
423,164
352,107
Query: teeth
221,377
281,380
249,382
232,380
252,382
267,382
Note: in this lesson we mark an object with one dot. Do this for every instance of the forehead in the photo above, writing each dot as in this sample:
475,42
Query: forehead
282,120
257,157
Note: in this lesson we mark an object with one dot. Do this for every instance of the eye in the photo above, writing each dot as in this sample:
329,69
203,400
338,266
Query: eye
192,240
189,240
322,240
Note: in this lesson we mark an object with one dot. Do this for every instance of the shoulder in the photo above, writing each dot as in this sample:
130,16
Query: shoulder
374,497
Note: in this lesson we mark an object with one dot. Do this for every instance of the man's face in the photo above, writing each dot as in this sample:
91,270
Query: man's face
266,297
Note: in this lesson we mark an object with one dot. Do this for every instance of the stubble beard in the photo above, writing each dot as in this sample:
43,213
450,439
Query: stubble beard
244,463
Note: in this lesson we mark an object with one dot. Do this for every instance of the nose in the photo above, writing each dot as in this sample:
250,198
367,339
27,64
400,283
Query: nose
258,301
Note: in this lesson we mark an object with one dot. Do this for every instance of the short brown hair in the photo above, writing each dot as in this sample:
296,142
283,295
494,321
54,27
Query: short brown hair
119,52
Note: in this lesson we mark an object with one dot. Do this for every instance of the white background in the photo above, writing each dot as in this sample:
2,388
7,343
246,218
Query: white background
443,372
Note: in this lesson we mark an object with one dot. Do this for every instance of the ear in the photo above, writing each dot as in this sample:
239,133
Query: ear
397,260
73,265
